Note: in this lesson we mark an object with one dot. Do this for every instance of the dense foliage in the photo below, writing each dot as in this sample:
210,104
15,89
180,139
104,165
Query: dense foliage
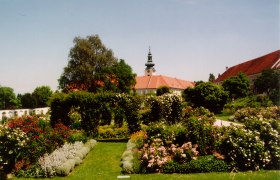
161,144
96,109
24,140
41,95
87,56
195,145
207,95
8,99
117,78
256,144
92,67
162,90
268,83
165,108
237,86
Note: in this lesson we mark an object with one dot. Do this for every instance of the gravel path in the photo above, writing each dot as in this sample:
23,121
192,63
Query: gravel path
220,123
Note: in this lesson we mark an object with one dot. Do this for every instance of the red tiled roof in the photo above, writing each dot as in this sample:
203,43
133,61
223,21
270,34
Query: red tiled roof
254,66
155,81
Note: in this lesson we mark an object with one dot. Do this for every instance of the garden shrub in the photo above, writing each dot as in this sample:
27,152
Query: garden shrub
40,138
13,142
171,167
254,101
201,165
138,138
111,131
199,127
77,136
243,149
127,163
256,144
63,160
206,164
207,95
167,108
95,109
155,155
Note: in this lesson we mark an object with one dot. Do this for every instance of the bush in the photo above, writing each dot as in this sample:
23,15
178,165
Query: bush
250,101
63,160
13,142
40,138
167,108
77,136
201,165
171,167
111,131
199,129
95,109
207,95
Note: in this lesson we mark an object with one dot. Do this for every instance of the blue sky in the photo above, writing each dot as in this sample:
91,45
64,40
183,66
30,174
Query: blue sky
189,39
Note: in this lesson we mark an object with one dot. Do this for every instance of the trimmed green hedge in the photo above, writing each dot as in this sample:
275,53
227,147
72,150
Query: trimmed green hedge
202,164
96,109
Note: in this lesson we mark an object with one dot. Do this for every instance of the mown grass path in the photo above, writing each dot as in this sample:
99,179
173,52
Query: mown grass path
103,162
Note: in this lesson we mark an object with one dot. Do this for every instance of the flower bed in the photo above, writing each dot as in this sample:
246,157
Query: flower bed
194,145
24,140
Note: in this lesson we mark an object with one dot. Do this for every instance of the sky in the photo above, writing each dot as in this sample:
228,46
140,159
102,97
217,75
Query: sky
189,39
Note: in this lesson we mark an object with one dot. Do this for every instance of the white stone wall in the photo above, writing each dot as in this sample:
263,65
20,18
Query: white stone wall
21,112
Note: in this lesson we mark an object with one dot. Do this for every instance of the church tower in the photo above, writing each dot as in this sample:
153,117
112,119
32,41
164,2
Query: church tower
149,65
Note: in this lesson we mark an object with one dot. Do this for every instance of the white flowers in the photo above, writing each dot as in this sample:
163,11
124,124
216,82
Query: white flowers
63,160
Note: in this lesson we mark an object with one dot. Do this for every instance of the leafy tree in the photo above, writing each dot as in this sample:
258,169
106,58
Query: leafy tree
237,86
8,99
28,101
163,90
269,83
207,95
88,56
41,95
211,77
117,78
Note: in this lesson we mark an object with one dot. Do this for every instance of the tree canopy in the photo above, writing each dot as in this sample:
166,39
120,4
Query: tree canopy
237,86
87,57
269,83
27,101
211,77
41,95
8,99
207,95
117,78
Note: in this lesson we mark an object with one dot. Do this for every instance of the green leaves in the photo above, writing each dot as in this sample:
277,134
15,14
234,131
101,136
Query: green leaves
207,95
237,86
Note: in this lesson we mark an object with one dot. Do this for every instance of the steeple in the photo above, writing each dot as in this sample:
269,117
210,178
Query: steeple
149,65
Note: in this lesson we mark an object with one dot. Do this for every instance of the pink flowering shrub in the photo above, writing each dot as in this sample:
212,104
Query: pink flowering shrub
156,155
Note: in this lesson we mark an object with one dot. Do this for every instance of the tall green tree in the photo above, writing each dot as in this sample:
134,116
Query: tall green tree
41,95
211,77
8,99
88,57
269,83
117,78
28,101
207,95
237,86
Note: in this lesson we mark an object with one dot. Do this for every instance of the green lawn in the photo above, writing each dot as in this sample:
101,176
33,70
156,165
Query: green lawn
223,116
103,163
